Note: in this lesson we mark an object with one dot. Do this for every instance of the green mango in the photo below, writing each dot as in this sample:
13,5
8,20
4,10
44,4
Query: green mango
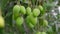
41,10
28,11
38,32
16,9
36,12
43,33
32,19
19,21
22,10
45,23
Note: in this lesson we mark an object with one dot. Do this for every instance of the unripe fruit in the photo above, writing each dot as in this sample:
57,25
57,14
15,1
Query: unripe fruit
15,16
43,33
45,23
2,24
28,11
16,9
36,12
29,22
19,21
30,25
22,10
27,19
31,19
41,9
38,32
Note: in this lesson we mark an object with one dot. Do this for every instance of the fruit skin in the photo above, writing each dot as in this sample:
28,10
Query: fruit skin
41,9
43,33
30,25
45,23
28,19
19,21
16,9
19,24
31,19
36,12
28,11
22,10
38,32
15,16
2,24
